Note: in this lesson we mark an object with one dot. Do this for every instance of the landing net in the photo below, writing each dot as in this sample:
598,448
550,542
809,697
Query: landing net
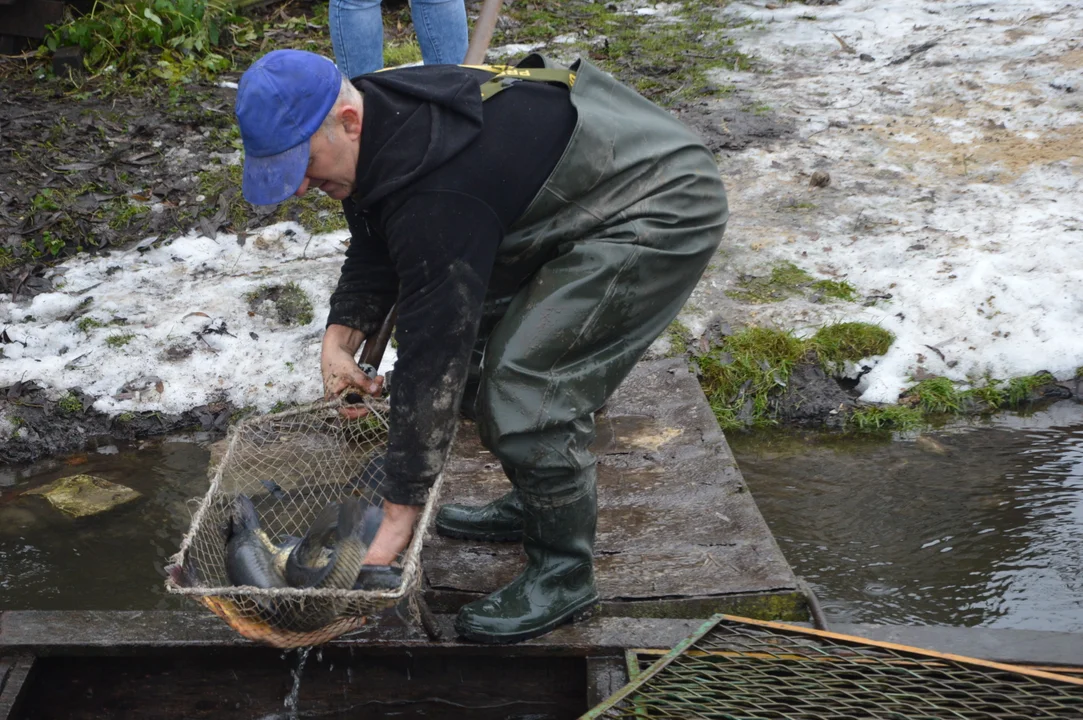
738,668
291,465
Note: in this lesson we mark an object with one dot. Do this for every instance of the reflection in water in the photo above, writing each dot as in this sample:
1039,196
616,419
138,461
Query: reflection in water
113,561
964,526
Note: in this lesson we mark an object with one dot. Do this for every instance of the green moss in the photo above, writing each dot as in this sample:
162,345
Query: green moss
126,417
852,341
838,289
1079,372
785,281
783,606
119,340
70,404
878,418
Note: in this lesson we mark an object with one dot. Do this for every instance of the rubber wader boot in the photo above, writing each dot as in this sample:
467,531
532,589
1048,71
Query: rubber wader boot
499,521
557,584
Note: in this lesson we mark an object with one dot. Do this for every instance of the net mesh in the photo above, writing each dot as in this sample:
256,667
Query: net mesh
752,671
292,465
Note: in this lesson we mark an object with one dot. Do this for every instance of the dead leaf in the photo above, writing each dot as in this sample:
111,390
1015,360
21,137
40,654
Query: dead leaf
845,46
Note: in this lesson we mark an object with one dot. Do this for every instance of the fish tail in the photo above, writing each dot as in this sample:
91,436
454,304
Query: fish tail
275,489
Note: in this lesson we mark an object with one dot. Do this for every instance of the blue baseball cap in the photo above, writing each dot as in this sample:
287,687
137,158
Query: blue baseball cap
281,101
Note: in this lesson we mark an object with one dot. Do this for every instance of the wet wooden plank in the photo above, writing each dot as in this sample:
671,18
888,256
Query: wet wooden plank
15,671
675,517
127,632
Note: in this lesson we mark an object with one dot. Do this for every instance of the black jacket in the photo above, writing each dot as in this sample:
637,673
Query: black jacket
440,179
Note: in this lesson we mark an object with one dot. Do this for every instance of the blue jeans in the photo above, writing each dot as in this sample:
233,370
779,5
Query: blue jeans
357,33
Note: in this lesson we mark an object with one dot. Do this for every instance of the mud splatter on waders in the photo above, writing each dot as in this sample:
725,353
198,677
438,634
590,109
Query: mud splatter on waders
598,266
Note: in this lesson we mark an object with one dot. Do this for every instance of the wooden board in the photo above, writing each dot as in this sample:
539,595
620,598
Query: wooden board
15,671
675,517
43,632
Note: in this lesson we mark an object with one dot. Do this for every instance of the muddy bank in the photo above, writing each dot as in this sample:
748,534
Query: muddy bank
42,427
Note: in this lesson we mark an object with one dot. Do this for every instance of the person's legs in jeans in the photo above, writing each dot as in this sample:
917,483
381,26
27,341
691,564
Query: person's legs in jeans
357,33
357,36
441,30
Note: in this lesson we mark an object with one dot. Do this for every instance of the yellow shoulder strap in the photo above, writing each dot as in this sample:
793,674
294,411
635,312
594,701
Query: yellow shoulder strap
505,75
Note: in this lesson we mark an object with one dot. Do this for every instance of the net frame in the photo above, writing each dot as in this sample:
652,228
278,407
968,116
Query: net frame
247,608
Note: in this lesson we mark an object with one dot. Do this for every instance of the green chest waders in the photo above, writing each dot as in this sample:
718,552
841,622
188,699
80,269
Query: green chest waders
598,266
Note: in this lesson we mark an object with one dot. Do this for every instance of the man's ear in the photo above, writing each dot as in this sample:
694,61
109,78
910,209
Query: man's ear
351,121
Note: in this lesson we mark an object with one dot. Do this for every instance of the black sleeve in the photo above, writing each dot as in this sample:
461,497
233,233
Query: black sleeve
367,285
443,246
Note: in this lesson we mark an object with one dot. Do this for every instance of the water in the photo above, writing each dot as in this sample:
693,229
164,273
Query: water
979,525
112,561
292,700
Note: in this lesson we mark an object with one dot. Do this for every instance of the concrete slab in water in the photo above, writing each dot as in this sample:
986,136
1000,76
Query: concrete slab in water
83,495
679,535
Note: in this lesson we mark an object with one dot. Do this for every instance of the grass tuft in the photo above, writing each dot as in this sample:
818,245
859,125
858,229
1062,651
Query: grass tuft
401,53
1019,389
739,375
119,340
679,335
880,418
852,341
936,395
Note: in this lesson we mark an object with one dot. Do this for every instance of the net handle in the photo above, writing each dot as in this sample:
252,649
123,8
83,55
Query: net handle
373,351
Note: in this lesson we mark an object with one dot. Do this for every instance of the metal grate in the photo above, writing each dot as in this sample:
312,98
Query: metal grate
736,668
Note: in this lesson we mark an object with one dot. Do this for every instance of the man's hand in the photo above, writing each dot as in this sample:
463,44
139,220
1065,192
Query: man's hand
395,533
340,370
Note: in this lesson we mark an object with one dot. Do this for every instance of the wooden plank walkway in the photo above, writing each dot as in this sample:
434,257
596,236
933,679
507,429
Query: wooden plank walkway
679,535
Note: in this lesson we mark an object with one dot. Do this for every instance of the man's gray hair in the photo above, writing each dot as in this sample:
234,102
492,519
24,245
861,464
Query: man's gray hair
347,95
